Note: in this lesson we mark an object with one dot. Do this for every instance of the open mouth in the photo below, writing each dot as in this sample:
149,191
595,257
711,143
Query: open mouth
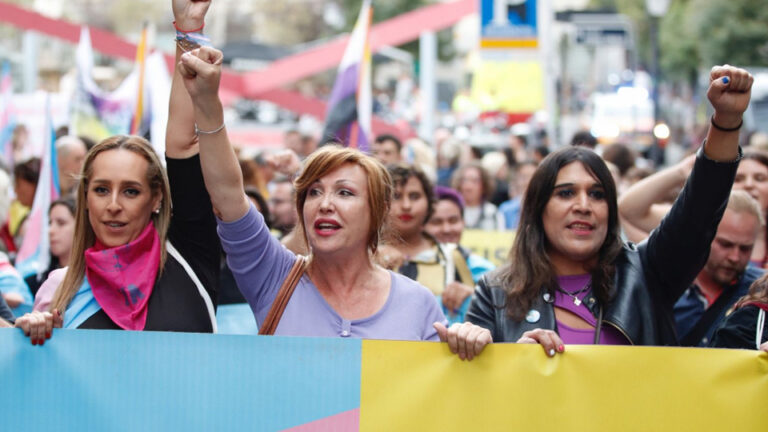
326,227
581,227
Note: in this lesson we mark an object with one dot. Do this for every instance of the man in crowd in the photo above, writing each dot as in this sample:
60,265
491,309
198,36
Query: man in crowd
70,154
386,148
281,206
725,277
292,141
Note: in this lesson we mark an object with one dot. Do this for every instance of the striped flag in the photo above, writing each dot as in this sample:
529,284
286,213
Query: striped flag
348,118
7,121
34,254
141,60
96,113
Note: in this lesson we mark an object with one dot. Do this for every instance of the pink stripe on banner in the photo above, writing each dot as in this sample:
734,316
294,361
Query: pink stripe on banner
348,421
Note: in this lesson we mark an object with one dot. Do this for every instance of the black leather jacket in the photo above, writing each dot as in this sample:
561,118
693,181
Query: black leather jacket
649,276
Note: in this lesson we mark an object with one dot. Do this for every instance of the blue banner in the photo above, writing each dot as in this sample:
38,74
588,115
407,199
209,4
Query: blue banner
89,380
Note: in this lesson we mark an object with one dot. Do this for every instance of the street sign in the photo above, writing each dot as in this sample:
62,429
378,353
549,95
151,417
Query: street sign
508,24
602,36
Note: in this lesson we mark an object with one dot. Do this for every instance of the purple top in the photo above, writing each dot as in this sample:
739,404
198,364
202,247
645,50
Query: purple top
260,263
574,336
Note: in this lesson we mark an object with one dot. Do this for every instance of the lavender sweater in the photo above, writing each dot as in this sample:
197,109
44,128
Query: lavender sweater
260,263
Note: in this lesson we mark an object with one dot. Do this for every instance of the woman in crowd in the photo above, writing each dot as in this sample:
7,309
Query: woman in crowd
746,326
752,177
439,267
446,225
571,279
476,187
134,264
342,199
61,228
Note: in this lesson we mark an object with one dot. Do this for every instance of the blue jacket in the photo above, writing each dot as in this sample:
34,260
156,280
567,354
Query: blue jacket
691,305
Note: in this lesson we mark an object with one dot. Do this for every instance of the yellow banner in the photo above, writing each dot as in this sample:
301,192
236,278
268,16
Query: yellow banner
421,387
491,245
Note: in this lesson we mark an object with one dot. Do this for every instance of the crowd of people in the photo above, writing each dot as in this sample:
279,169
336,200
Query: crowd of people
328,241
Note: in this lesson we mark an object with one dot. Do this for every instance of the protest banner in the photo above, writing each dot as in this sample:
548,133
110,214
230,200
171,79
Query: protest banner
109,380
491,245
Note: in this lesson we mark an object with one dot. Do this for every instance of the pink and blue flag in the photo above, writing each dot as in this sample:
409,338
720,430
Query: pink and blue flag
7,121
348,119
34,254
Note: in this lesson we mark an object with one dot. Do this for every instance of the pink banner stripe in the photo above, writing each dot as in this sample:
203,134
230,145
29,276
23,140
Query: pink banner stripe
348,421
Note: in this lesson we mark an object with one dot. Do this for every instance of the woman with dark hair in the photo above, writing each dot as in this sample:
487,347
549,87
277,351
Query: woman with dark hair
441,268
571,279
746,327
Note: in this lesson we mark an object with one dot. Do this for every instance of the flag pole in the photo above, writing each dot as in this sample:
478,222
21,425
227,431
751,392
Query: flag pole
141,56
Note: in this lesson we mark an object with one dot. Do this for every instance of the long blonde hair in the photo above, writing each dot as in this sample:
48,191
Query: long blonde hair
84,236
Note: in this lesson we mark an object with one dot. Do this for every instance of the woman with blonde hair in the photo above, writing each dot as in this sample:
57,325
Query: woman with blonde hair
135,264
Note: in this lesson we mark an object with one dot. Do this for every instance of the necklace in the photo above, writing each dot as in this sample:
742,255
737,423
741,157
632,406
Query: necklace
574,295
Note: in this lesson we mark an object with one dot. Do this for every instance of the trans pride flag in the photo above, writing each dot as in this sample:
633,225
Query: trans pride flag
34,254
348,118
7,122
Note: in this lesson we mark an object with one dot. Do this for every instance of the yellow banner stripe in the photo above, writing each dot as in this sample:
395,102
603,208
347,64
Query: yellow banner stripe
422,386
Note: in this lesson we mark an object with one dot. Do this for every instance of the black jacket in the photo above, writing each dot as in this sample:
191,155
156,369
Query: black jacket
649,277
740,329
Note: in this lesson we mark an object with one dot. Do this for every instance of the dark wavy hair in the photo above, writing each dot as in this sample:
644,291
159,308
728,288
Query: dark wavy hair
529,272
401,172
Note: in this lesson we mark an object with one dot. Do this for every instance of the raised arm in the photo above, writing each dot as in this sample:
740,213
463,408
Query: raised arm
180,138
729,93
201,73
640,205
678,249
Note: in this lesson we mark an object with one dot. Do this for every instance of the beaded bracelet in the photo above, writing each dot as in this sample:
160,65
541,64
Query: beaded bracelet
723,129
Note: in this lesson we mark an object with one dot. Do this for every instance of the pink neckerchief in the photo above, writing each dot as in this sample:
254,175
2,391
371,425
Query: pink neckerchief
122,277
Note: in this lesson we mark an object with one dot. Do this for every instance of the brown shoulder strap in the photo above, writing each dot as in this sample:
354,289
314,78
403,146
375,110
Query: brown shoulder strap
269,325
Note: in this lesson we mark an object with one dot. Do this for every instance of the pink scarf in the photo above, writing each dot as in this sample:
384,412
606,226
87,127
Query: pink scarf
122,277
